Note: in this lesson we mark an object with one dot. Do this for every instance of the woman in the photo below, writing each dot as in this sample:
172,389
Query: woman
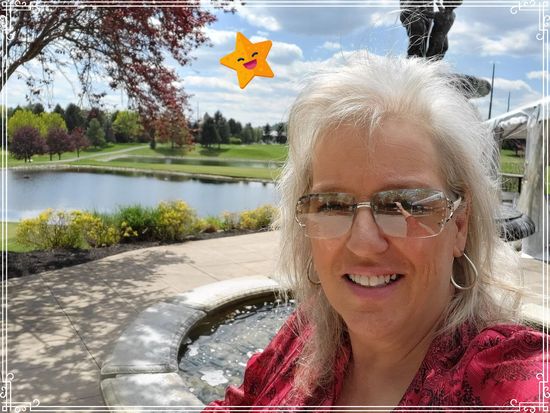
389,244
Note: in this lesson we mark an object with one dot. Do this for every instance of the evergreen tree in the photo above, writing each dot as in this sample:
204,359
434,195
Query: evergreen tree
235,128
108,129
37,108
73,117
13,111
222,127
59,109
209,133
248,134
281,132
266,135
95,134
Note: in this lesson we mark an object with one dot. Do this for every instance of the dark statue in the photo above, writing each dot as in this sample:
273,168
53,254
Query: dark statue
428,28
428,23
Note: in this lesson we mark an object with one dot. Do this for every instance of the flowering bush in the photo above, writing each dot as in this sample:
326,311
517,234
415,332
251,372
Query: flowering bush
258,218
50,230
94,230
175,221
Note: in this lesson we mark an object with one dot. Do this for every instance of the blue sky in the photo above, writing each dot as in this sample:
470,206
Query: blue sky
307,38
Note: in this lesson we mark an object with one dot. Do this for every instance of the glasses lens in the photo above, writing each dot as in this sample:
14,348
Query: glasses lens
325,215
415,213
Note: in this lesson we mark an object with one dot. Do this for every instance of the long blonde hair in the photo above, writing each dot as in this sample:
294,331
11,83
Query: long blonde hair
363,92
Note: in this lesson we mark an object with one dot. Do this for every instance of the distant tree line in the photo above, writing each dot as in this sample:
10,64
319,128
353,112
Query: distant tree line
215,130
32,130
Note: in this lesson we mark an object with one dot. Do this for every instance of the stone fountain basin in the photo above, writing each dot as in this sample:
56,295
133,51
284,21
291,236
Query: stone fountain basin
142,367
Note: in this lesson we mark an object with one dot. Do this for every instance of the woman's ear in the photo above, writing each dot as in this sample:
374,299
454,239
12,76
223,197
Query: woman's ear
461,220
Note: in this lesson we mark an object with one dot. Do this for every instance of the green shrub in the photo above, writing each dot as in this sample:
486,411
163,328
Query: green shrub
235,141
175,221
258,218
137,223
50,230
94,230
210,224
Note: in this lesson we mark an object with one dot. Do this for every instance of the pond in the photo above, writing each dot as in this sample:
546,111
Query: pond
30,192
191,161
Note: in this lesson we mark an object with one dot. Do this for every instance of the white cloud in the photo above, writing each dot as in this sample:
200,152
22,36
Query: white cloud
285,52
210,82
537,74
506,84
387,18
331,45
256,18
220,37
484,34
516,42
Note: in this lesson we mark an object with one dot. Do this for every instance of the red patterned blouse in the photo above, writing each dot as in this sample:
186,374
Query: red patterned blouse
495,367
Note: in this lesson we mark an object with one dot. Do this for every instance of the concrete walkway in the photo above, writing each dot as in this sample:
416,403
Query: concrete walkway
62,324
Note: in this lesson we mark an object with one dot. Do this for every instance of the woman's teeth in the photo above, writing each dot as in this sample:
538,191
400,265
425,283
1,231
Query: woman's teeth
372,281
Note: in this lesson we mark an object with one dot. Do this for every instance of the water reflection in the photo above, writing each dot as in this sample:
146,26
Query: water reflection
191,161
30,192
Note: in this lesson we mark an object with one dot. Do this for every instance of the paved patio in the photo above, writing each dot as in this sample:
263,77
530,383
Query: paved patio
62,324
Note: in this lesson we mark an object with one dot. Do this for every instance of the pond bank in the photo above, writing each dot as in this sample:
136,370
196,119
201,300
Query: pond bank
145,171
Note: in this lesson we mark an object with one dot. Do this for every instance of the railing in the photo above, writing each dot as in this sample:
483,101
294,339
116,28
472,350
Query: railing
511,182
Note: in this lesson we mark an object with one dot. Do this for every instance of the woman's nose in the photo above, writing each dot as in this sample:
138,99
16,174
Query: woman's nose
365,237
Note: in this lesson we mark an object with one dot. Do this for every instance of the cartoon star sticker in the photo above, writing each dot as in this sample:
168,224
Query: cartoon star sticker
248,59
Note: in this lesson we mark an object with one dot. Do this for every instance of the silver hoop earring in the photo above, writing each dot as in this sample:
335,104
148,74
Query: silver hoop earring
469,287
309,271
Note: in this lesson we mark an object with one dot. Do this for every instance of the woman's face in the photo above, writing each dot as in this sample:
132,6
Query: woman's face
401,156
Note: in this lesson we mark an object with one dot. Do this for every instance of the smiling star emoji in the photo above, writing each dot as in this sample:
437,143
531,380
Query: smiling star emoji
248,59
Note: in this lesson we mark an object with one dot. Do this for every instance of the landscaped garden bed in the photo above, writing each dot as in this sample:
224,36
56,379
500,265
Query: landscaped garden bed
57,239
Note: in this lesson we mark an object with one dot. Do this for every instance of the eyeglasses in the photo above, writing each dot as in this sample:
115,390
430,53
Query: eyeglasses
414,213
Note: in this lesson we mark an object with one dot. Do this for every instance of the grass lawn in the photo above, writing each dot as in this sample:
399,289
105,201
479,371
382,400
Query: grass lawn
510,163
252,152
235,172
13,246
45,159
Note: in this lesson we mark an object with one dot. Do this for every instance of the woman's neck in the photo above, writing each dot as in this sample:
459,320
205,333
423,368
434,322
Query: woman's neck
380,374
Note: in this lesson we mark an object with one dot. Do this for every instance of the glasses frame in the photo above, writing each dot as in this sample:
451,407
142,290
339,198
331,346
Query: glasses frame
451,207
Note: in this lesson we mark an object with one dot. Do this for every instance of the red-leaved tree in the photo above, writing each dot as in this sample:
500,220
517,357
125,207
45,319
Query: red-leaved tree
58,141
173,128
27,142
125,44
79,140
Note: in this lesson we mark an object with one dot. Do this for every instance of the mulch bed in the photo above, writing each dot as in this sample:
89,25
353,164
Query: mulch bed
27,263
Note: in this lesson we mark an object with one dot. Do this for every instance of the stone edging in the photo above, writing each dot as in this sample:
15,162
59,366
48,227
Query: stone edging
142,367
